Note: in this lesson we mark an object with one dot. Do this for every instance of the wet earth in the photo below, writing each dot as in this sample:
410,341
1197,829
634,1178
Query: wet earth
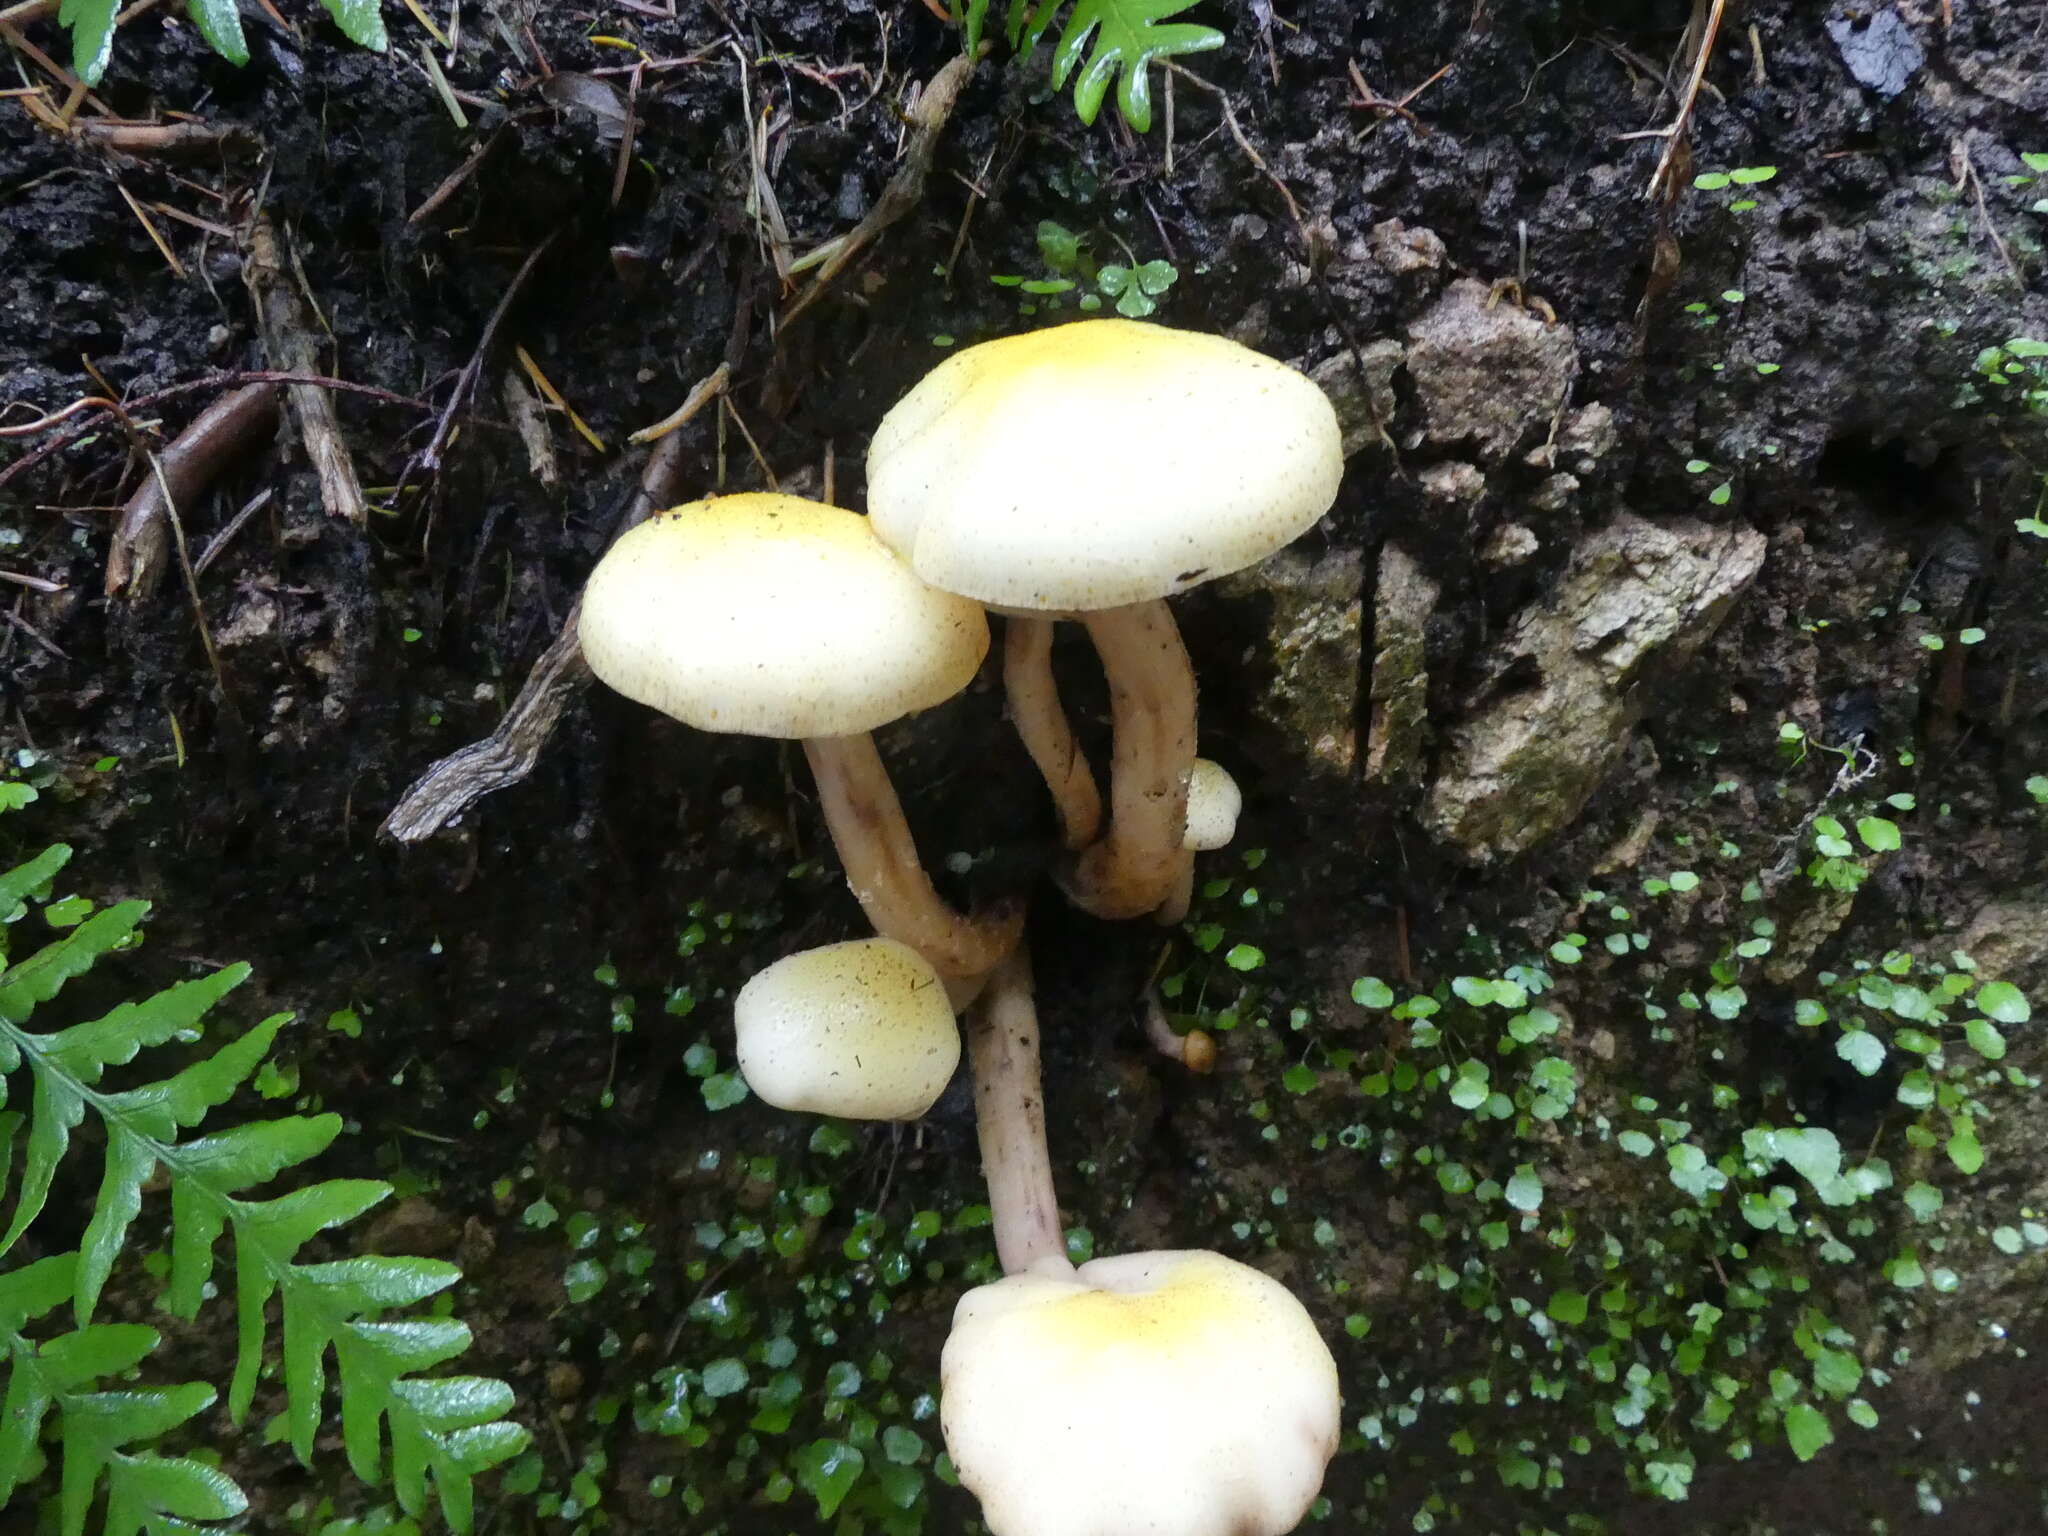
1685,506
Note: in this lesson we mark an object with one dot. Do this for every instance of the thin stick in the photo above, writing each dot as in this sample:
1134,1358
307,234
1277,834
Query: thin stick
508,754
428,459
166,140
280,314
905,189
149,228
453,181
163,486
1009,1112
1676,132
224,429
700,395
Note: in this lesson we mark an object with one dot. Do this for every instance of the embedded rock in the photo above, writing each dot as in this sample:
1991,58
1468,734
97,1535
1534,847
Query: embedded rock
1314,649
1361,387
1487,373
1398,730
1538,739
1453,483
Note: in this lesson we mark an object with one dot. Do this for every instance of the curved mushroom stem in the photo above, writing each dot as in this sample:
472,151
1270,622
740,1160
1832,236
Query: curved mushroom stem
1009,1112
1137,864
1195,1050
1181,897
1042,725
886,876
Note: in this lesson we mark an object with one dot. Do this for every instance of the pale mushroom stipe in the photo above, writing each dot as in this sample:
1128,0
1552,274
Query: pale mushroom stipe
1165,458
769,615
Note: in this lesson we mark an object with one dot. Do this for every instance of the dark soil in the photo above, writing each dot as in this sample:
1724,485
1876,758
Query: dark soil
1893,245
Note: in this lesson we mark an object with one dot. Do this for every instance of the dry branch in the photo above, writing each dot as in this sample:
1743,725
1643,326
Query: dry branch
906,188
508,754
281,316
225,429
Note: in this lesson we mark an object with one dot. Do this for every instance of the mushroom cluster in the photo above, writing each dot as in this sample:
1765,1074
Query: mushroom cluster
1179,1393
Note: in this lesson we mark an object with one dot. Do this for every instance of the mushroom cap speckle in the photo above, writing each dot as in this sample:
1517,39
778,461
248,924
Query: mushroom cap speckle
1149,1394
1214,801
860,1029
1100,463
774,616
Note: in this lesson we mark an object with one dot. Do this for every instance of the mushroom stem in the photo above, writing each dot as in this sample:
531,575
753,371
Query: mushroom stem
1195,1050
1042,725
885,874
1009,1111
1180,898
1137,864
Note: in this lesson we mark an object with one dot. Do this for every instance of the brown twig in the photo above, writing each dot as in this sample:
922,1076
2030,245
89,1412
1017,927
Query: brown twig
141,403
508,754
713,383
1965,169
1369,99
1675,134
1257,160
627,133
54,70
905,189
228,427
452,182
523,407
167,141
428,459
287,337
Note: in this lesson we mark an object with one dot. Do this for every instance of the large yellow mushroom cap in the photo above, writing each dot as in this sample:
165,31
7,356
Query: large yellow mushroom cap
1149,1394
1100,463
770,615
860,1029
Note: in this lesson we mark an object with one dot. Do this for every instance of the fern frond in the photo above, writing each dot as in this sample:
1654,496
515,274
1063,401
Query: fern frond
16,884
1128,36
442,1430
144,1491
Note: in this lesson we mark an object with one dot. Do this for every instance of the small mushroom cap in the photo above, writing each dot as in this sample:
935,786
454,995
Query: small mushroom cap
1100,463
1214,801
773,616
861,1030
1149,1394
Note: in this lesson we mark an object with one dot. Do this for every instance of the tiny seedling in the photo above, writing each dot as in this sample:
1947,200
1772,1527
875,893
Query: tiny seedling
1135,288
1743,176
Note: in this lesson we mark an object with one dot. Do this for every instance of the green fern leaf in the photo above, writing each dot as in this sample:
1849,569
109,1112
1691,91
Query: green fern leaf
66,1065
42,975
163,1492
263,1229
17,883
1128,35
440,1432
142,1489
92,35
361,21
220,23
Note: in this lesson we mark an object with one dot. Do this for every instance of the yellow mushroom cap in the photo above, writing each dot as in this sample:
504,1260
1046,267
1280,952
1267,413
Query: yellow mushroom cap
861,1030
773,616
1149,1394
1214,801
1100,463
